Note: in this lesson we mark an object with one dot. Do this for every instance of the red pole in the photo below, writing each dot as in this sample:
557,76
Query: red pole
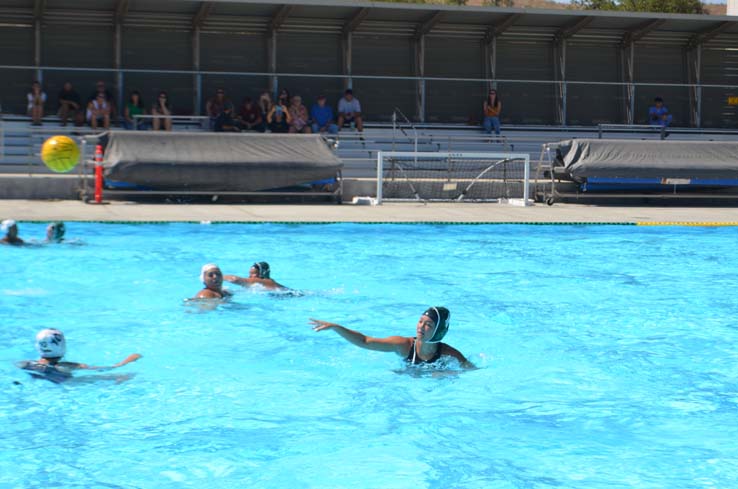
98,174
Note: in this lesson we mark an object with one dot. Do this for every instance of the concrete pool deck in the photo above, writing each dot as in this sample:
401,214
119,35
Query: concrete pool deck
119,211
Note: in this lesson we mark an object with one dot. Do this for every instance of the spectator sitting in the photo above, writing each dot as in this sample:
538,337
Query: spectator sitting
100,89
98,112
322,117
70,105
284,97
225,122
134,107
162,110
279,119
658,114
265,104
217,106
299,116
36,100
349,111
492,108
250,117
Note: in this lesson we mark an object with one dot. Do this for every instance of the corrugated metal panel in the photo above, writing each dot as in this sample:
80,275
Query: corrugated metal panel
453,58
16,84
527,103
157,49
660,64
233,52
594,104
380,97
240,24
17,46
83,46
308,53
524,60
592,63
448,101
715,109
68,17
381,55
15,16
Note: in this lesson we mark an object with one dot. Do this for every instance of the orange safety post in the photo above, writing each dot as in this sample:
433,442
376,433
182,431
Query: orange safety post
98,174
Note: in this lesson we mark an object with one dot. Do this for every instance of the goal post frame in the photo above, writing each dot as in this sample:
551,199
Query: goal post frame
381,155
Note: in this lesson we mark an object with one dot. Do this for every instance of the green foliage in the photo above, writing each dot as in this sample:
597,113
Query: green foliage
660,6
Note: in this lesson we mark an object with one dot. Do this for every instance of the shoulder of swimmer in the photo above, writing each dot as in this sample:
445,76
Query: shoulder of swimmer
209,294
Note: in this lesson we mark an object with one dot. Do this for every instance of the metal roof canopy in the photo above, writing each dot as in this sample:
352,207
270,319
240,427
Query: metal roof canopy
372,18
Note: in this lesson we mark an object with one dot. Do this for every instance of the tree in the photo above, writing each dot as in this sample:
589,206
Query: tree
660,6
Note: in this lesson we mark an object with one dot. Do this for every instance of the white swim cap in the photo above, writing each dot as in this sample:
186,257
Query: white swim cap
7,224
50,343
205,269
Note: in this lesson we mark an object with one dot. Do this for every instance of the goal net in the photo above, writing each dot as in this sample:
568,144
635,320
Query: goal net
447,177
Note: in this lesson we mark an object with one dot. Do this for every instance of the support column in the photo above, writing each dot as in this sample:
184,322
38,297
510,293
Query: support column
272,63
37,49
197,77
489,52
627,52
560,77
420,84
347,43
118,64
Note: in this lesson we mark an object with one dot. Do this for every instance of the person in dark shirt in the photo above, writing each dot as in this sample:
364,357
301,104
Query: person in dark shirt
250,116
225,122
70,105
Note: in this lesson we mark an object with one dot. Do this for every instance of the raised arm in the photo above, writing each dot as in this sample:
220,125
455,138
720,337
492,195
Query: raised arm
236,279
397,344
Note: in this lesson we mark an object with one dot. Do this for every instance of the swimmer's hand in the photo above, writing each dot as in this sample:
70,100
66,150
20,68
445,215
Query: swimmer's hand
319,325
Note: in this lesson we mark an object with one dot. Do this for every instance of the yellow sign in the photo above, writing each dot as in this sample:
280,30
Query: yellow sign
732,100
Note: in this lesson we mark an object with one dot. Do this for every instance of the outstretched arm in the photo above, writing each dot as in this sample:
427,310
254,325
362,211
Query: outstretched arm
83,366
397,344
236,279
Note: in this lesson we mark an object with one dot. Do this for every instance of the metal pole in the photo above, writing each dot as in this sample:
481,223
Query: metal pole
380,165
699,86
118,60
37,49
196,79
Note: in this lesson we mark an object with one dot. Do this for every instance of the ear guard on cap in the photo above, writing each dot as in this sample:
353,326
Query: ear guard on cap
442,317
262,268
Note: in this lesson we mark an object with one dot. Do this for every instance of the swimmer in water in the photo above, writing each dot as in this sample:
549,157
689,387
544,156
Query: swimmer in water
55,232
212,278
258,275
10,228
52,347
424,348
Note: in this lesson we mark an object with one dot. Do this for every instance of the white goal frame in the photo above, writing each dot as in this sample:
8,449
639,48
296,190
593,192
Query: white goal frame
381,155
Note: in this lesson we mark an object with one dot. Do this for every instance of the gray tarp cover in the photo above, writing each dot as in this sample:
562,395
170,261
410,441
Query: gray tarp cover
614,158
217,161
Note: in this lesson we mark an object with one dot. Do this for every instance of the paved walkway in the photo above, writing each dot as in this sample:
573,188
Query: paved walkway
70,210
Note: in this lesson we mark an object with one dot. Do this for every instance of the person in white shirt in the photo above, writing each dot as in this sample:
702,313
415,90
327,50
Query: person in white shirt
349,110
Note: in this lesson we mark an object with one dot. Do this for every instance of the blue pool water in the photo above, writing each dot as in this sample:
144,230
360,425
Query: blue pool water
608,355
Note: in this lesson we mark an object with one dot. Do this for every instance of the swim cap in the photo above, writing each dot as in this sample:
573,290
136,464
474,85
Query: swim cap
205,269
262,268
55,231
50,343
6,225
442,317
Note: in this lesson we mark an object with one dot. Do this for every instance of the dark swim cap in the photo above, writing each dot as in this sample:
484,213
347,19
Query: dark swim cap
442,317
263,268
57,230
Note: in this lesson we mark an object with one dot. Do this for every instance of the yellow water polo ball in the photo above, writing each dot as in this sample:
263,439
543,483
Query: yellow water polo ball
60,153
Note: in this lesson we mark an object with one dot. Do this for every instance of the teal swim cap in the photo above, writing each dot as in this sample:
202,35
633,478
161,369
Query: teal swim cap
442,317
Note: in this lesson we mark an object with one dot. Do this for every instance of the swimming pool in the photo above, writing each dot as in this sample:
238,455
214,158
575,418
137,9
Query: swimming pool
608,355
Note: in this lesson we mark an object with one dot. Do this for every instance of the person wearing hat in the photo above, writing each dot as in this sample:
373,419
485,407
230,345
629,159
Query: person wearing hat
212,279
10,228
258,275
55,232
52,347
425,348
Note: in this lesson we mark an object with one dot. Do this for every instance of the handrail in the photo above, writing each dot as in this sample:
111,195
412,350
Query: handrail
412,126
632,128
